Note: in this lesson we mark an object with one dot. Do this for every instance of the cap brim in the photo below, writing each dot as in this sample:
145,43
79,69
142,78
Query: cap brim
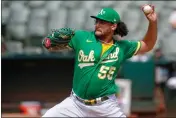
98,18
94,17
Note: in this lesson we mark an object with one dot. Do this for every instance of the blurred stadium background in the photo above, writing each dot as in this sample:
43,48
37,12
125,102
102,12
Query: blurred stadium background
33,76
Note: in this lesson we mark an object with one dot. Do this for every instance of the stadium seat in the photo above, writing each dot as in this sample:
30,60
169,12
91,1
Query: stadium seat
52,5
36,4
171,4
139,34
122,4
71,4
39,12
132,19
140,3
164,19
14,47
15,3
144,22
88,5
19,13
5,15
158,5
37,27
120,10
37,22
57,19
102,4
76,18
5,3
17,30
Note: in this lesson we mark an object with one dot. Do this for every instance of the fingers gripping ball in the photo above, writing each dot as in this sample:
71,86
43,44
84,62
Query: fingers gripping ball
147,9
58,37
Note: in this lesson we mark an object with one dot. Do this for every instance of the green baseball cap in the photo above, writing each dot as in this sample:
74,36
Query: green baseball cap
108,14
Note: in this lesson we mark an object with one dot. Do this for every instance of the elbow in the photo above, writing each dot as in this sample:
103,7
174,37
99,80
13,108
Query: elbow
149,48
145,47
148,44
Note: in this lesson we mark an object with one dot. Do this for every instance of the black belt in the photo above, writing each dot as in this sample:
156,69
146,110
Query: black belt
92,101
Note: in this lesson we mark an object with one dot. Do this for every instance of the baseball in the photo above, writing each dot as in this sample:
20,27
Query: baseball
147,9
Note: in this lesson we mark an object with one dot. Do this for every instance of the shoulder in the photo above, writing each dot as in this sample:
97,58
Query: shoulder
127,42
123,42
82,35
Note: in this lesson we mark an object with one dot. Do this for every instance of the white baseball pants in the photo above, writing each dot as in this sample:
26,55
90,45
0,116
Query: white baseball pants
71,107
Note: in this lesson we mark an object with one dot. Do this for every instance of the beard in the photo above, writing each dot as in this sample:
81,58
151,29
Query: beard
99,33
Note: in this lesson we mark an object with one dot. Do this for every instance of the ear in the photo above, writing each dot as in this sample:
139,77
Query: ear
114,27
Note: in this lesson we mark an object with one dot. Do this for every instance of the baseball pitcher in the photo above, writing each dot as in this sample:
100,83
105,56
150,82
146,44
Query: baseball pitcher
98,57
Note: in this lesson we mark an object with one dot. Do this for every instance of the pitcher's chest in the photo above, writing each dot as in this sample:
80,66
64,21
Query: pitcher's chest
92,52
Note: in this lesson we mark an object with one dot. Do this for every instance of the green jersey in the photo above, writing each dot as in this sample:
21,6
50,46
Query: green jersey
95,74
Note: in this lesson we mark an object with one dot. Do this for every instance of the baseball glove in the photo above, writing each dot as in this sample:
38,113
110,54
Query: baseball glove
59,38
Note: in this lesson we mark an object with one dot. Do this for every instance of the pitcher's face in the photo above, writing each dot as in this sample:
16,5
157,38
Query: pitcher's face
103,28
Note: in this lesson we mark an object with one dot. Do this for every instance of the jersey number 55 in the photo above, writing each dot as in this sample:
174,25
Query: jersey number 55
106,71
